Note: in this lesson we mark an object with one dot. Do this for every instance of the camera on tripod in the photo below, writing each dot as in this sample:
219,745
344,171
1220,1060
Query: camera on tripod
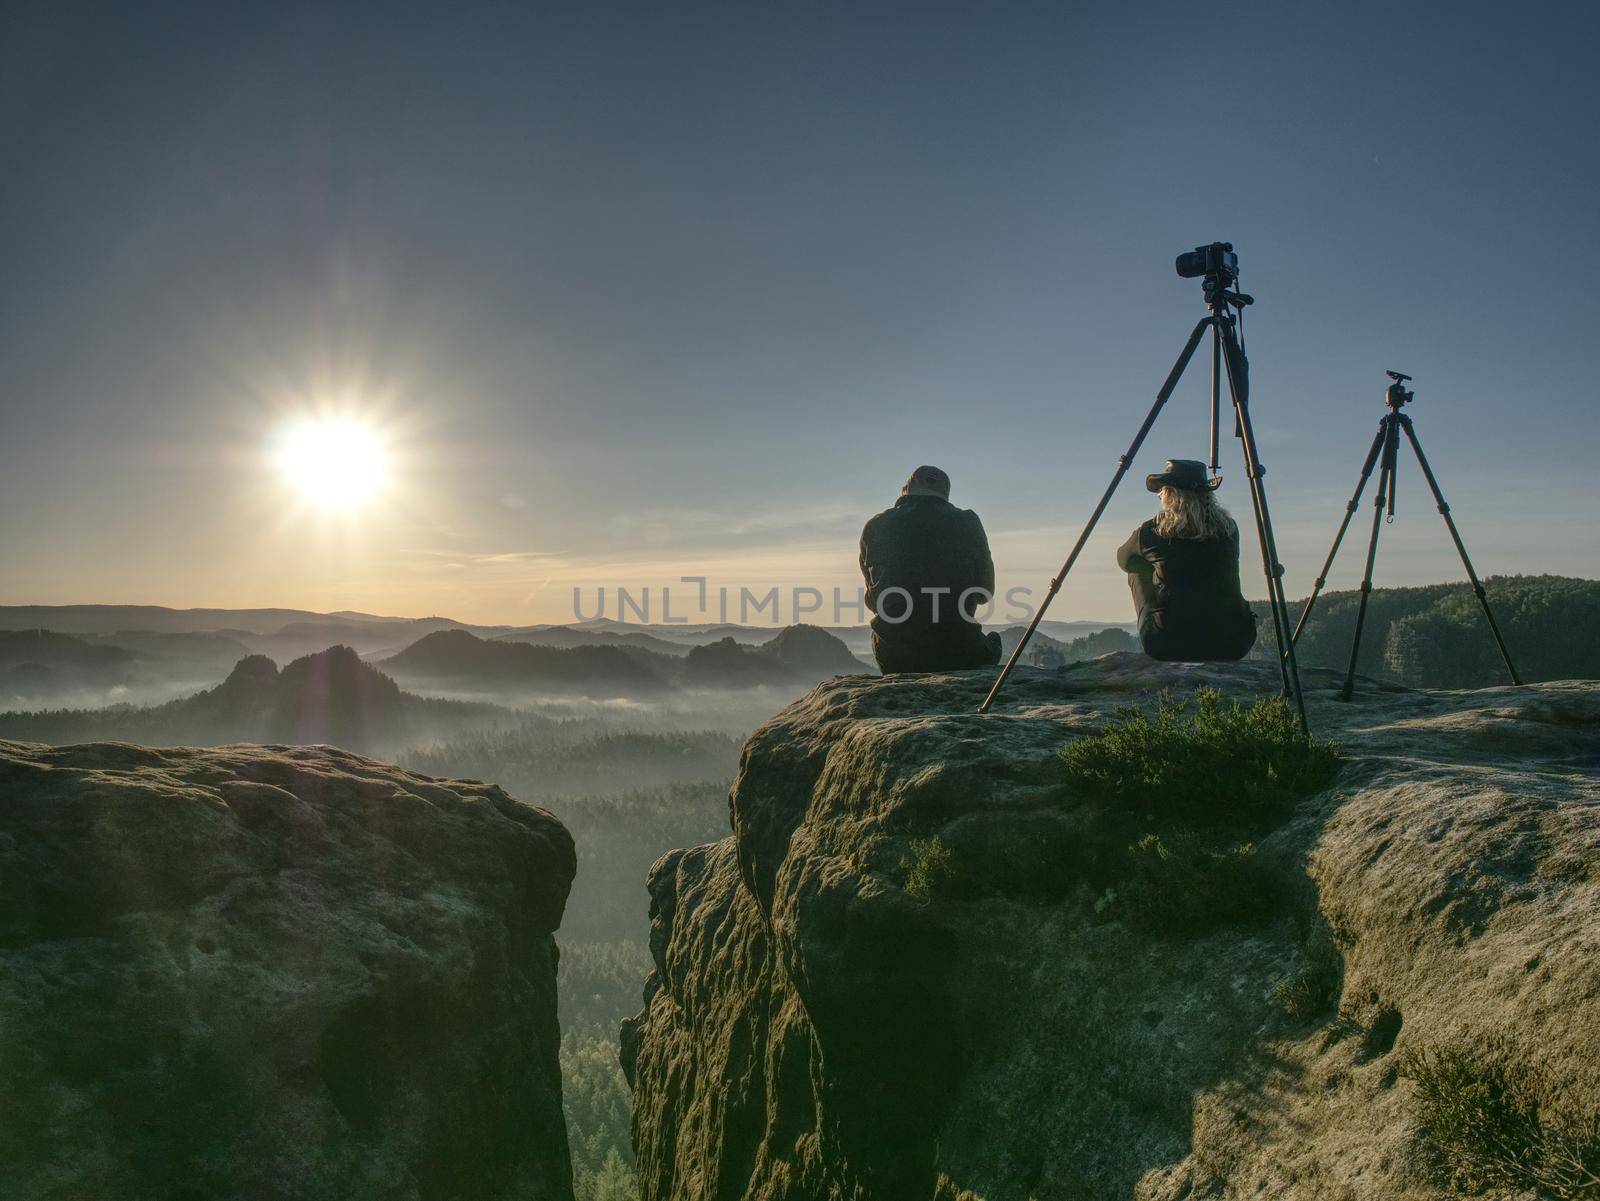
1216,259
1231,370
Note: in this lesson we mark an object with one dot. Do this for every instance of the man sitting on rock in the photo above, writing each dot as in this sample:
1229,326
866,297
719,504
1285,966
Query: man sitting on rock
928,569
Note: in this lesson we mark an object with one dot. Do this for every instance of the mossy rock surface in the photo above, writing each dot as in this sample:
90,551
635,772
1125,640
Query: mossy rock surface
253,972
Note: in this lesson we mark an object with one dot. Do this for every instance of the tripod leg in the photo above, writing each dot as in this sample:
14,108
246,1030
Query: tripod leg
1123,464
1385,483
1349,512
1216,394
1239,386
1461,549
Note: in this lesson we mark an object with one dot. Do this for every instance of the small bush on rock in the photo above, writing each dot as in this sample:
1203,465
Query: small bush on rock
1202,758
1486,1128
929,867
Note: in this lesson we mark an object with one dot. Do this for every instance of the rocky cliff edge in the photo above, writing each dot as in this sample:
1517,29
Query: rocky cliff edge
820,1024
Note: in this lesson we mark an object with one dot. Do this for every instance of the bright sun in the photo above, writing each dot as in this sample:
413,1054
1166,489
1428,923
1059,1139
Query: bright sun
333,462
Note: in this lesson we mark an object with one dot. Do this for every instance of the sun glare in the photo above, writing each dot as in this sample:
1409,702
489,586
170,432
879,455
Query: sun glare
334,463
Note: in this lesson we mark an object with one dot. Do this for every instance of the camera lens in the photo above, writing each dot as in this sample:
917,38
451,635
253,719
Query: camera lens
1191,263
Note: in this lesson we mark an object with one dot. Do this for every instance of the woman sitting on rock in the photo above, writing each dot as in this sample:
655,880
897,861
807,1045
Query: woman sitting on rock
1183,570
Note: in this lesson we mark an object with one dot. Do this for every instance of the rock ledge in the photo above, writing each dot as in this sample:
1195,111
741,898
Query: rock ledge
251,972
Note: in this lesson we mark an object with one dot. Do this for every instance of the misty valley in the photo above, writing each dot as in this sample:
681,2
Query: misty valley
630,735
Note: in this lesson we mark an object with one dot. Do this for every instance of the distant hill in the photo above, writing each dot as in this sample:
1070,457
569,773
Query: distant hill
798,654
329,697
106,619
283,623
691,633
459,659
1045,651
52,649
290,632
42,669
42,663
366,637
687,634
811,651
204,650
1071,631
566,637
727,664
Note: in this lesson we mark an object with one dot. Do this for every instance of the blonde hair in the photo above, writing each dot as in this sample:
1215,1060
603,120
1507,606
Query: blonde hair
1186,514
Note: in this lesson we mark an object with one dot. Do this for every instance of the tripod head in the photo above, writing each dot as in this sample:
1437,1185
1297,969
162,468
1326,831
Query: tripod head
1396,394
1218,297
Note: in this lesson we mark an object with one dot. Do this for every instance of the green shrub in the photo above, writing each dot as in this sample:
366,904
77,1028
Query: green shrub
1178,885
1487,1128
929,867
1202,758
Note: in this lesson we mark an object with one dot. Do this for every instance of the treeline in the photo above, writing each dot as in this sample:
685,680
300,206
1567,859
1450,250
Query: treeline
598,985
1436,636
605,958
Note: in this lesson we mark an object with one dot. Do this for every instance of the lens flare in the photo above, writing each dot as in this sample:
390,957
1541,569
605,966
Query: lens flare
333,462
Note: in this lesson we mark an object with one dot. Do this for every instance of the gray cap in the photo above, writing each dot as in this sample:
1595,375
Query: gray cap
928,479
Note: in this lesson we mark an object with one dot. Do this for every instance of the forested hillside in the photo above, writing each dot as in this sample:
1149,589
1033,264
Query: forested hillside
1436,636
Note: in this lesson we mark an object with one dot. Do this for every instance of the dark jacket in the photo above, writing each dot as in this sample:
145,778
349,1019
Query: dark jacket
1187,594
923,543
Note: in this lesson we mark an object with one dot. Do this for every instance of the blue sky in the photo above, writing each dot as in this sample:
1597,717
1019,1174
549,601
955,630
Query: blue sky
639,291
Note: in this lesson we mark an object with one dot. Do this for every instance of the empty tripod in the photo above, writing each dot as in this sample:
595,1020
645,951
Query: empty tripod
1386,450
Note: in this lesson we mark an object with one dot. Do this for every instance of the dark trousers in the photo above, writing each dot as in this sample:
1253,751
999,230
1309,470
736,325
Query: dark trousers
922,652
1190,638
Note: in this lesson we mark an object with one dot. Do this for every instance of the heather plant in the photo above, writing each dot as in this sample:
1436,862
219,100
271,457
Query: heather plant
1202,758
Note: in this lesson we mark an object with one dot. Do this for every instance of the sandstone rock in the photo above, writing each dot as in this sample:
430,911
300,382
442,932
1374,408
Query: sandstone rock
814,1030
274,972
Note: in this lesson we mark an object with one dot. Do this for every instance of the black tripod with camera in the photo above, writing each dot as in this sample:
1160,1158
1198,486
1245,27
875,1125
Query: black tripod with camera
1218,266
1385,451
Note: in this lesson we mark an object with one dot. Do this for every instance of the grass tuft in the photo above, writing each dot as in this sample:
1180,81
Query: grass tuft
929,867
1313,988
1487,1128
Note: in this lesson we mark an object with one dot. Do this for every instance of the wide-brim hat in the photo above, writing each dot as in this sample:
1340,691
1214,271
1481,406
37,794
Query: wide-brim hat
1187,475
